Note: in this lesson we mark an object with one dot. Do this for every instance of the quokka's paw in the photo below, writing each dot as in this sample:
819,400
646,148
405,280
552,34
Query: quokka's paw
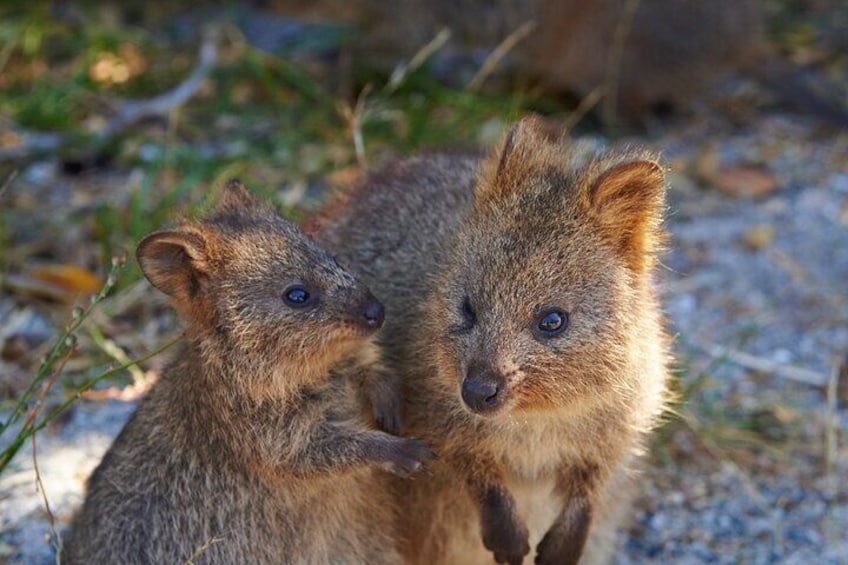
386,404
564,542
504,534
405,455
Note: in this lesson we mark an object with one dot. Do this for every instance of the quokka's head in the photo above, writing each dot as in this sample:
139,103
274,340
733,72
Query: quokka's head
542,302
258,287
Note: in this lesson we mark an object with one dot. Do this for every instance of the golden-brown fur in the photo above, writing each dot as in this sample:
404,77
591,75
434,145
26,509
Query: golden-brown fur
253,446
469,255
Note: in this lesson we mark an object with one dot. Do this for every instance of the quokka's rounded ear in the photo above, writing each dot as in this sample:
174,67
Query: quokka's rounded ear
175,262
629,200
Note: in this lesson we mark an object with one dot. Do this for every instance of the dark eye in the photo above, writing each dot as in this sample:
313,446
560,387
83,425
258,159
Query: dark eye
469,316
551,322
297,296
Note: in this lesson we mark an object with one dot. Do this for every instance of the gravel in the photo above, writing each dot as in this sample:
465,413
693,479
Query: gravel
785,302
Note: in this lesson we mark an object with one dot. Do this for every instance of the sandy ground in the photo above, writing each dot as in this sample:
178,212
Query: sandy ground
746,479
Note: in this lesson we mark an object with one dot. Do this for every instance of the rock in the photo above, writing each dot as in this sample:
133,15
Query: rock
759,236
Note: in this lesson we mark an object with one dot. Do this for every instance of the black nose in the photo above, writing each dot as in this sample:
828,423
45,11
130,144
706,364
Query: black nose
374,314
481,394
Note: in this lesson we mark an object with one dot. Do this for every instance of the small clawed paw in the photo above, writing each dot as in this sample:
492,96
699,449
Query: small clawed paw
509,543
511,556
563,544
546,551
386,405
407,456
387,416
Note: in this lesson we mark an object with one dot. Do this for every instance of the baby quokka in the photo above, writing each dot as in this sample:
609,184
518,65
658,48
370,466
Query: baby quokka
527,335
255,445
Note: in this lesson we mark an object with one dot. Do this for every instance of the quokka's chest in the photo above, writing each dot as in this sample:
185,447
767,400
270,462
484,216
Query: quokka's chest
532,453
538,504
533,467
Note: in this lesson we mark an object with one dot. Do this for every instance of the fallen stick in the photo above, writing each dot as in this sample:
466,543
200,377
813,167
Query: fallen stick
797,374
403,70
128,112
831,441
498,53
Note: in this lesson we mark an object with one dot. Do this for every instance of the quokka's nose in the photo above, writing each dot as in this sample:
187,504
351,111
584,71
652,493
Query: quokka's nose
481,395
373,313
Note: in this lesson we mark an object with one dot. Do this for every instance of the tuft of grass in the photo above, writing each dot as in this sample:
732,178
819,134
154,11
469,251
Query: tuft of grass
701,422
29,415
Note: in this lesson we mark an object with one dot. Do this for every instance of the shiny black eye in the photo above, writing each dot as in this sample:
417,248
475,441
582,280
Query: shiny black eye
551,322
297,296
469,316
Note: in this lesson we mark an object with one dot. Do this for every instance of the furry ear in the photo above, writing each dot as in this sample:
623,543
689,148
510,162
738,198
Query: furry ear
526,147
629,200
235,197
175,262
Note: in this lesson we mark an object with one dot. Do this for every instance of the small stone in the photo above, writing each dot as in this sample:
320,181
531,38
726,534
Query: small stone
838,182
759,236
742,179
745,180
41,173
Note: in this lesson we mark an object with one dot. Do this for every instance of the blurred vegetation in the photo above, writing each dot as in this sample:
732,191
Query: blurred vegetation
261,110
275,119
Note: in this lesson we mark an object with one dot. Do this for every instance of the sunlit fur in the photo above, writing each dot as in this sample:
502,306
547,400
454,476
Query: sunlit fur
541,222
228,459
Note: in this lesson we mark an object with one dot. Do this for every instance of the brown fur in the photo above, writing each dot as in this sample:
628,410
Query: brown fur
539,223
253,446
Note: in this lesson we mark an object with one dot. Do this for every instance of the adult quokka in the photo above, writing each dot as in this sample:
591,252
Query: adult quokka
527,334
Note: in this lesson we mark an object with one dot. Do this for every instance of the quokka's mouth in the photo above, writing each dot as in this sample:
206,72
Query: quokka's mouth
354,330
489,414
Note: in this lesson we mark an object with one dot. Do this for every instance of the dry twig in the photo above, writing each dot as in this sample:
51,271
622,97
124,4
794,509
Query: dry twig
5,186
589,101
498,53
613,70
831,423
403,70
128,112
355,116
791,372
202,549
31,417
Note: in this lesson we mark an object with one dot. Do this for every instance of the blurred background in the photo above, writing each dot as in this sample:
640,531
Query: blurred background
117,118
